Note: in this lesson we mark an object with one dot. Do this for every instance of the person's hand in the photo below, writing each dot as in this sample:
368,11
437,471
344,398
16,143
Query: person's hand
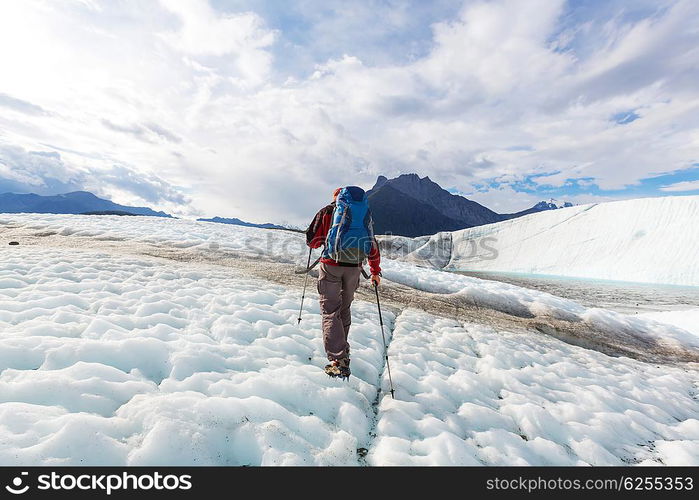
375,279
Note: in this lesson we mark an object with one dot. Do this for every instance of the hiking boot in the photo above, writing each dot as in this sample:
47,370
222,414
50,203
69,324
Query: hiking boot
339,368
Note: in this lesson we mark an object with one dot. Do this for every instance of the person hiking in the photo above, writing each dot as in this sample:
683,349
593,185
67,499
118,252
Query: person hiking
346,229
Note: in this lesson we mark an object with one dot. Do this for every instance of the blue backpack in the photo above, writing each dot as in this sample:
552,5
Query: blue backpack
351,234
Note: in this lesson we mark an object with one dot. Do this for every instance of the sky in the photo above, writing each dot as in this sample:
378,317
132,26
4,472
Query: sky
259,109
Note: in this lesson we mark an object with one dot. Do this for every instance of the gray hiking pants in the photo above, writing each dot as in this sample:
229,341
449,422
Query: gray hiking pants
336,287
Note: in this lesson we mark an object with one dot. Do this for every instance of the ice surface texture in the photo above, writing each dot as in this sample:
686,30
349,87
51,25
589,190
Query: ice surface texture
118,359
470,395
653,240
109,360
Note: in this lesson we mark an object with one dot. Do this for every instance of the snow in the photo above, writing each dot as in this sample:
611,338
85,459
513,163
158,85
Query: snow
283,246
467,394
651,240
289,247
108,360
524,302
118,359
687,320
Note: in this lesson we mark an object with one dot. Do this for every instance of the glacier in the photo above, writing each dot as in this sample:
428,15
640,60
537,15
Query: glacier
173,342
649,240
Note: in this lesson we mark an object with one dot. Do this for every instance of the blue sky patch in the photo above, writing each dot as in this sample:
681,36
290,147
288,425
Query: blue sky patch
651,186
625,117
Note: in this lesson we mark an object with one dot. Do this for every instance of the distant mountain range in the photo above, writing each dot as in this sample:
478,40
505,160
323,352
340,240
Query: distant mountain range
238,222
406,205
86,203
412,206
77,202
542,206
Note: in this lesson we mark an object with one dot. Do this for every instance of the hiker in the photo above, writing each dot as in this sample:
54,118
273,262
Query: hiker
346,229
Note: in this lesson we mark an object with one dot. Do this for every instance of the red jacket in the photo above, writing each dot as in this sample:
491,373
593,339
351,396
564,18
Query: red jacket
317,232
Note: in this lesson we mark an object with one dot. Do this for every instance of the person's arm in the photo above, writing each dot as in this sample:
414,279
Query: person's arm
375,263
374,256
318,230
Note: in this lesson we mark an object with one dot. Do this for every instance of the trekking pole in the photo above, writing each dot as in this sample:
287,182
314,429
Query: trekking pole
383,336
305,282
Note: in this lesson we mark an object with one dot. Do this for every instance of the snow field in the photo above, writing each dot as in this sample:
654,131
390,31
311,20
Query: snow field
117,360
687,320
135,361
282,246
469,395
671,329
650,240
289,247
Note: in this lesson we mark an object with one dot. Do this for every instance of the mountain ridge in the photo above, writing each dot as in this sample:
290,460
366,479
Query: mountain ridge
409,205
75,202
238,222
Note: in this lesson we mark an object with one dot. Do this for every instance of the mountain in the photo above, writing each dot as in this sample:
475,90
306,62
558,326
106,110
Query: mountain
238,222
412,206
395,212
542,206
77,202
455,207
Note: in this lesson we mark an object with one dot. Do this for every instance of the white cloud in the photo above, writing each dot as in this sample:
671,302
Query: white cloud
243,37
682,186
15,104
503,199
46,172
194,96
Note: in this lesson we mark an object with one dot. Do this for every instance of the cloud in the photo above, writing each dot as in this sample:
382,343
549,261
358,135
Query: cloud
203,31
41,172
682,186
206,33
134,130
46,172
149,188
15,104
315,31
504,199
163,132
255,109
147,132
